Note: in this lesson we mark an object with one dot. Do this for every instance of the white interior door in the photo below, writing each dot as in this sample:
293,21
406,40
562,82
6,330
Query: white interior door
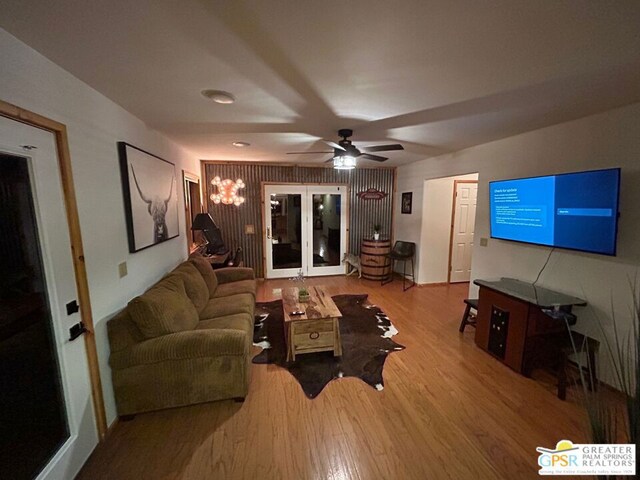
50,246
305,229
464,217
327,230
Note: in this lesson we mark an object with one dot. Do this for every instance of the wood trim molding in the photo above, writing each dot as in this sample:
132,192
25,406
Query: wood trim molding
77,251
192,177
392,233
188,177
285,164
435,284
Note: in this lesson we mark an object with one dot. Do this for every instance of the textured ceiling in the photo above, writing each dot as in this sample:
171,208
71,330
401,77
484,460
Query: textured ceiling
436,76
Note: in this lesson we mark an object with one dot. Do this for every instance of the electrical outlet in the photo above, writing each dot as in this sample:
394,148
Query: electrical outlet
484,242
249,230
122,269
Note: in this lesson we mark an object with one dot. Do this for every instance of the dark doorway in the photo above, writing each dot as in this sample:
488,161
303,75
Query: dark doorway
326,230
33,422
286,225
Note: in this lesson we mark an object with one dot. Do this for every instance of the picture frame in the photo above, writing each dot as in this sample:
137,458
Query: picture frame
407,199
150,190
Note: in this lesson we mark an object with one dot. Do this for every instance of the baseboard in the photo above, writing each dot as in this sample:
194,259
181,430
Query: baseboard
111,428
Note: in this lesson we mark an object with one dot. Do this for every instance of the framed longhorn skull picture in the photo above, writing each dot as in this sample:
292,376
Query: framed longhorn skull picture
150,195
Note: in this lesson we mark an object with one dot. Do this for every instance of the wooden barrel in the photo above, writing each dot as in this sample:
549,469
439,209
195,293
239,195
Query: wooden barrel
374,258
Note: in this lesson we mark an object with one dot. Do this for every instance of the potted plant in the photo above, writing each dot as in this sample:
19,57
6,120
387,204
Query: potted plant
303,293
376,231
605,416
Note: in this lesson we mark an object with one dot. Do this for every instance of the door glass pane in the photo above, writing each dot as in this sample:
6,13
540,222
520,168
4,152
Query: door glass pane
286,230
33,422
326,230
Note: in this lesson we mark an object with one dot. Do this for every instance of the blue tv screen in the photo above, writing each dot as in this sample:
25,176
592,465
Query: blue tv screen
577,211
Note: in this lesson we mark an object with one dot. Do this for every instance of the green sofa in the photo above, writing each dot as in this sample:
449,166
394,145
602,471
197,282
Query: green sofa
185,340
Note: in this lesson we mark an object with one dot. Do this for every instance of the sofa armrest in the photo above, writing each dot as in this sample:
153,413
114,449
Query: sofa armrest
182,345
234,274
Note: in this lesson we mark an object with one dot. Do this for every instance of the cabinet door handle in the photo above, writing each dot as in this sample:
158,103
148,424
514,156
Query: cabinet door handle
314,335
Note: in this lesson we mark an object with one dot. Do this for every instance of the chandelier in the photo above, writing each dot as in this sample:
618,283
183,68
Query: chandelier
226,191
344,162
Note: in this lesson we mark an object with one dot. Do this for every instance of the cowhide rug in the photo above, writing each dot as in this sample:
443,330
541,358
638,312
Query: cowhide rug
366,341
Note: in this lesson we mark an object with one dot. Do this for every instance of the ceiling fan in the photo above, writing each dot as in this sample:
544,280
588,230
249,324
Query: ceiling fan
344,152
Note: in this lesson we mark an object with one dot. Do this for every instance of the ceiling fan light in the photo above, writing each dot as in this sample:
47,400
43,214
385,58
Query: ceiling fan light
344,162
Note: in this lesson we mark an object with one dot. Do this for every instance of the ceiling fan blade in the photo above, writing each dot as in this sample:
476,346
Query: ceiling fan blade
383,148
377,158
330,159
303,153
334,145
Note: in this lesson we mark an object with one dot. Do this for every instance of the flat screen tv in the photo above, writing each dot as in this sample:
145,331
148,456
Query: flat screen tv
577,211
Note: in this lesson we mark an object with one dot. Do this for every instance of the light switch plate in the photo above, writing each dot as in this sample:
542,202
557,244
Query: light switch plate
249,230
122,269
484,242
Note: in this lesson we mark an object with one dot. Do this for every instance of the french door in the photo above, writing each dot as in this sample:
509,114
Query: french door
306,229
47,424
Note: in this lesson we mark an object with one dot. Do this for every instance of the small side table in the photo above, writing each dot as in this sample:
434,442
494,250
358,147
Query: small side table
374,258
218,261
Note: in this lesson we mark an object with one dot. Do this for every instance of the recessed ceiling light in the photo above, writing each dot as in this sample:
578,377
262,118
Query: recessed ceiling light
240,144
219,96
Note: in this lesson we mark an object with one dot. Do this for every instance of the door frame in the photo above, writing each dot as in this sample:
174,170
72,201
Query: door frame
453,219
187,178
294,189
263,185
59,131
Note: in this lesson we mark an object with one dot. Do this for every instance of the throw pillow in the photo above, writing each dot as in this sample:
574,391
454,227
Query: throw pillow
204,267
194,284
164,309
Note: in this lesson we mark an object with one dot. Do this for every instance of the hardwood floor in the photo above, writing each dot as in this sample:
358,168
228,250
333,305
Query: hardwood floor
448,410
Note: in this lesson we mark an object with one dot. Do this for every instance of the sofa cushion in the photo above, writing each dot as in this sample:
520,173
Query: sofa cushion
242,286
222,306
180,346
234,274
238,321
194,284
123,333
204,267
163,309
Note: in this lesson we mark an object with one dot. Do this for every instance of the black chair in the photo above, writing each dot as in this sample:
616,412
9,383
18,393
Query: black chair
402,251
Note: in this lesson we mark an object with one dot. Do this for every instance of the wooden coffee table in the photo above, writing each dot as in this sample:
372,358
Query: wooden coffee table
317,329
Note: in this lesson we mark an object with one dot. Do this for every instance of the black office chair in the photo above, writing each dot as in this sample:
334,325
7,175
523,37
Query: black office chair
402,251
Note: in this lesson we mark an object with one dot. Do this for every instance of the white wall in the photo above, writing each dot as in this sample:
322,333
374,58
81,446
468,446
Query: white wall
610,139
95,124
435,237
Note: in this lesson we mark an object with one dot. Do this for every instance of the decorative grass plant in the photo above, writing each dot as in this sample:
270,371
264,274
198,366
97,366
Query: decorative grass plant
608,421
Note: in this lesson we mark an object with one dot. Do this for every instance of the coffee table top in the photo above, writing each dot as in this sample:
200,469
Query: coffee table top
320,305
